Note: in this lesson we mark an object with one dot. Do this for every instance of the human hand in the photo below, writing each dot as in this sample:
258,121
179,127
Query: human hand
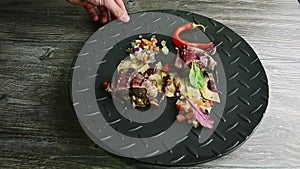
116,7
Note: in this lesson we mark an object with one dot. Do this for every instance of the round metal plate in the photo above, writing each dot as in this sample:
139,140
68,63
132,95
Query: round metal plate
241,79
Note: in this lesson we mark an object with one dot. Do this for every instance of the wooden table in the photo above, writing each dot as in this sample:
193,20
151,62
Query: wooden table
38,40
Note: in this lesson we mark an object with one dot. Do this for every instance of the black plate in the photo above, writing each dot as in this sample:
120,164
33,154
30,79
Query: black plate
241,78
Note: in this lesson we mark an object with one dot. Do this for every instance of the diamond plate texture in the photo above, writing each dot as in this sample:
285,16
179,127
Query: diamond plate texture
241,79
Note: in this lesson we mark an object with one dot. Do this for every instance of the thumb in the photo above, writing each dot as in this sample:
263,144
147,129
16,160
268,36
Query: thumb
116,10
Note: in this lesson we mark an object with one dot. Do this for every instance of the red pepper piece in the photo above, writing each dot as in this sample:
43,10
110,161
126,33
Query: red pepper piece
142,45
180,42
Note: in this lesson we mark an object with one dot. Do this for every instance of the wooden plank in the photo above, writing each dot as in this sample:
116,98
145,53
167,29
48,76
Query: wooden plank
38,128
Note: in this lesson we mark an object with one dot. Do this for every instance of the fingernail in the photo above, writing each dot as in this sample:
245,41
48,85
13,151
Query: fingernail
95,18
125,18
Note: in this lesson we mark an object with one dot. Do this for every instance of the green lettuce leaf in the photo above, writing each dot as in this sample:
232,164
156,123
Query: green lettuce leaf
196,76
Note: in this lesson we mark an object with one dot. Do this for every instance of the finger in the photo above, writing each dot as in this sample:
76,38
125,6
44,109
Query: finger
92,11
95,2
117,11
120,3
89,8
78,2
103,13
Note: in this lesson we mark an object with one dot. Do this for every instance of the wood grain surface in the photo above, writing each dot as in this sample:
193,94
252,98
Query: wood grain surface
38,40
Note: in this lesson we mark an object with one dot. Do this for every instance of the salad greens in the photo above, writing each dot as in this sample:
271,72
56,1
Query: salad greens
204,119
196,76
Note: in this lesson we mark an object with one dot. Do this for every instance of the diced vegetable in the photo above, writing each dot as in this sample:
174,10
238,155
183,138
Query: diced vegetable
180,117
178,106
105,84
200,102
165,67
203,118
210,102
148,79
